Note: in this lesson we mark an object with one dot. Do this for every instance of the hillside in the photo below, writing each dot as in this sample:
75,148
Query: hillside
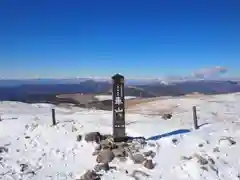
40,93
34,149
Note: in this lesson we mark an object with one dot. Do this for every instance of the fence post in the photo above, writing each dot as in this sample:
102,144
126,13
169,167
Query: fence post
195,120
53,117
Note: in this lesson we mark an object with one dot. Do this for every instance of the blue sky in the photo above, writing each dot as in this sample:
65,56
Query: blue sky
141,38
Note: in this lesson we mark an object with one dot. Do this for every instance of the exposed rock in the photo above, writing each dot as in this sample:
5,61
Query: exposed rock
95,153
90,175
24,167
107,144
100,167
216,149
138,158
122,145
79,138
167,116
186,158
122,159
93,137
152,144
204,168
119,152
26,126
137,144
174,141
140,140
200,145
74,129
135,174
107,136
98,147
211,160
148,164
3,149
201,160
105,156
150,153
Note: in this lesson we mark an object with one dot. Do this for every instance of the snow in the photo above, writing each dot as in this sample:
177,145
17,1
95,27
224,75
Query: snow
54,153
108,97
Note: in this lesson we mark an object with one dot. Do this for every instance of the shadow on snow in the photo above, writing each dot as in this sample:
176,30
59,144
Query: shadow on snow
157,137
180,131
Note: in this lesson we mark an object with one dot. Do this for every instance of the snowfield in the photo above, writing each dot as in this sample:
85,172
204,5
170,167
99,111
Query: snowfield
32,149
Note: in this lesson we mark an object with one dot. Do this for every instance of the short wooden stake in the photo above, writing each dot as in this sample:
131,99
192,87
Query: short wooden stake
195,120
53,117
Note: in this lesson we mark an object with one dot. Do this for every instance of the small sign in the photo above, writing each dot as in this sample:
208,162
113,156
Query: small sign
118,107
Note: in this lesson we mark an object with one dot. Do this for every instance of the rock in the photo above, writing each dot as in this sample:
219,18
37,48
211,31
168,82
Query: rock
100,167
201,160
167,116
107,144
151,144
204,168
186,158
74,129
149,153
90,175
119,152
216,149
138,158
3,149
79,138
98,147
93,137
24,167
174,141
122,159
122,145
148,164
27,137
141,141
200,145
95,153
211,160
107,136
105,156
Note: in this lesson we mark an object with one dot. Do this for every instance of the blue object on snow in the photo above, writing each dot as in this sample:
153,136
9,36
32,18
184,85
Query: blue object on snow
180,131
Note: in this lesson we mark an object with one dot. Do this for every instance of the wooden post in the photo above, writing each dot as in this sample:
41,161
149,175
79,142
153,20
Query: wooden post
53,117
195,120
118,108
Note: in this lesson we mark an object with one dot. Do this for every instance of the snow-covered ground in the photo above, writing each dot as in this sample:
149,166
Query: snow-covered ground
108,97
52,152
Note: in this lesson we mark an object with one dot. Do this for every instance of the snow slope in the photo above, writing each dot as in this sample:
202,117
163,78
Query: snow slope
210,152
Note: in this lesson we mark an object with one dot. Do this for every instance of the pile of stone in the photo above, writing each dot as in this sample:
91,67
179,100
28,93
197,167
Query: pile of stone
107,150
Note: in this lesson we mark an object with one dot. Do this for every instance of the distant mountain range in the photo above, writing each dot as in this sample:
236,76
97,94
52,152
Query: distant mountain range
46,90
